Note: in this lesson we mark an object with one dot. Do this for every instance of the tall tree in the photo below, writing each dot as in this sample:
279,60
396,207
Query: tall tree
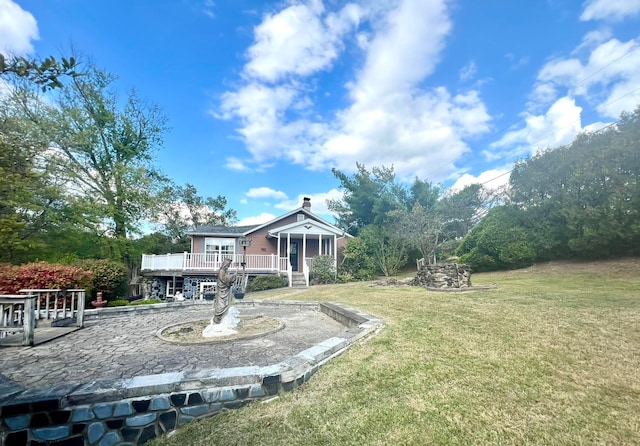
420,229
582,199
386,247
460,211
424,193
367,197
31,198
185,209
103,148
28,191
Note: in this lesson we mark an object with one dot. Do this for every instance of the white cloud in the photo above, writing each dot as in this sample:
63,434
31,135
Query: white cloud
594,38
236,164
614,10
208,7
403,52
260,110
256,220
17,29
299,40
558,126
608,76
419,133
468,72
516,62
390,116
266,192
318,202
490,179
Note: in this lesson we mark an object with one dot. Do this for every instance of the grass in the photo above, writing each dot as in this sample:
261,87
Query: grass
552,356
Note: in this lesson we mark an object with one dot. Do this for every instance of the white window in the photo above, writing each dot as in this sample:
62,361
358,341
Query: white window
217,249
300,217
171,291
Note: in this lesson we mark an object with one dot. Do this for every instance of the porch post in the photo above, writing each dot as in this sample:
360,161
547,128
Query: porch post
335,254
278,252
288,251
289,267
304,251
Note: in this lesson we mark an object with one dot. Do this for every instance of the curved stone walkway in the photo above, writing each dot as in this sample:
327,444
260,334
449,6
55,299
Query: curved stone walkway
127,346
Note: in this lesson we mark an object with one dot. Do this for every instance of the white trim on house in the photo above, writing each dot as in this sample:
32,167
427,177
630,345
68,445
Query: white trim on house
307,226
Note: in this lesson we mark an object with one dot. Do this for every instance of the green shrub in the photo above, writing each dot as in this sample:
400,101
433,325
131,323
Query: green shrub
267,282
323,270
146,302
118,303
498,242
345,278
357,263
109,276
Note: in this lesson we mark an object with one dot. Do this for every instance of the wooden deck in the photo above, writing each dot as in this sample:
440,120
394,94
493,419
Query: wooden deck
40,336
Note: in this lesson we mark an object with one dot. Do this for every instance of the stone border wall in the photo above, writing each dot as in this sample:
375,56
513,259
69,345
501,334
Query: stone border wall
443,276
132,411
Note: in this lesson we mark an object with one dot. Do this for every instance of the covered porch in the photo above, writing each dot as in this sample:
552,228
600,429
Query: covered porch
298,243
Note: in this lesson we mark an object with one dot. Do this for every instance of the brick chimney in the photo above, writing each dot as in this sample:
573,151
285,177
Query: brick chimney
306,203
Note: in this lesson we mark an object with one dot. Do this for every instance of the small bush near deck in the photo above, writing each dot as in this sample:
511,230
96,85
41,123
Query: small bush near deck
108,276
118,303
267,282
146,302
323,270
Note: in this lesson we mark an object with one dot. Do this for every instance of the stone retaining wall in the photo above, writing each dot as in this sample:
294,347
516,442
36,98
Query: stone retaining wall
443,276
132,411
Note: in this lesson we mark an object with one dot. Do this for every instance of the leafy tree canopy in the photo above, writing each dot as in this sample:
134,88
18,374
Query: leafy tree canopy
45,73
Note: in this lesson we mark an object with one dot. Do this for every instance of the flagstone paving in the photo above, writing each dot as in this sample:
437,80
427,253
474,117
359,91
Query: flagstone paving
127,346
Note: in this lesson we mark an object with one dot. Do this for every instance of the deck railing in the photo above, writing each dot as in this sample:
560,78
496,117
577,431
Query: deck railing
161,262
198,261
17,315
58,304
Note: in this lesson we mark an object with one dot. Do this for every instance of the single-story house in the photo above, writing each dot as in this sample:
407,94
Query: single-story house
285,245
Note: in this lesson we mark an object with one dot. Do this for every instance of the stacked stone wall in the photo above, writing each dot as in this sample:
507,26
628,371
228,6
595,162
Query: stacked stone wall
444,276
55,419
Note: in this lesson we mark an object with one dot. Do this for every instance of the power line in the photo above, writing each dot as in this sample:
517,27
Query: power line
583,80
562,128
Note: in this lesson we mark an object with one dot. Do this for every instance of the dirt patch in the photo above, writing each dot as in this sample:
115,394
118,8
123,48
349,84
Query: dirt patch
191,332
392,282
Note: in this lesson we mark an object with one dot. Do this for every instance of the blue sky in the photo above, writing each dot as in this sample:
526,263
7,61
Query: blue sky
265,97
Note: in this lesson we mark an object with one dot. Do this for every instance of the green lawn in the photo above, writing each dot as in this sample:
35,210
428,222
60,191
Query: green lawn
552,356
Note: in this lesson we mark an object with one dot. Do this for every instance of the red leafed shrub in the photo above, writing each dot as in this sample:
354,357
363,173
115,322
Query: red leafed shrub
41,275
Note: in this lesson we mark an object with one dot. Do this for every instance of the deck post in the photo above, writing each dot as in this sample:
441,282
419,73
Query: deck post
29,320
80,315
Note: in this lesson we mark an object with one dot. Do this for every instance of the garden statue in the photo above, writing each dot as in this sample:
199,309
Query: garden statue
225,320
223,291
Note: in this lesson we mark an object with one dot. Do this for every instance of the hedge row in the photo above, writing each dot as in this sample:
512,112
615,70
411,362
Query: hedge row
41,275
91,275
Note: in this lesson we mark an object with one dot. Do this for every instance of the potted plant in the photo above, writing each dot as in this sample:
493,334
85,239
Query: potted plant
237,291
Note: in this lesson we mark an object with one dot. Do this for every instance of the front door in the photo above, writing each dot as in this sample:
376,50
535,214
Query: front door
293,256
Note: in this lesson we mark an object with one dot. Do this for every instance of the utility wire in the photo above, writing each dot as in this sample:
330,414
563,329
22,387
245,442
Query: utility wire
562,128
580,82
